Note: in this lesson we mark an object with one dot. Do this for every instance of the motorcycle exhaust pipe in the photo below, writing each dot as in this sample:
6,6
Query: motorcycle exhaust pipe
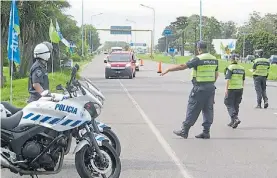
5,163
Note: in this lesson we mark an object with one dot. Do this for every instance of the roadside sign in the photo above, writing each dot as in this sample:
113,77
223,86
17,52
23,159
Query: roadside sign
121,30
171,50
167,32
138,44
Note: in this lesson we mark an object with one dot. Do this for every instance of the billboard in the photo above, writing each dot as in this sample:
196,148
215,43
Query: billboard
224,46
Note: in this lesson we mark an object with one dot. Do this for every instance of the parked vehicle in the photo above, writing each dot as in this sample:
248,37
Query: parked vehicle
250,58
38,136
273,59
97,126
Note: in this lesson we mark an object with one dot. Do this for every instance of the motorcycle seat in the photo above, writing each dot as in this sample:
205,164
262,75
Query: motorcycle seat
10,107
9,123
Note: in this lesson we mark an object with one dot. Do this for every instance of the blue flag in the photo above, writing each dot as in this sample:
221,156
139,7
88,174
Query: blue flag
14,31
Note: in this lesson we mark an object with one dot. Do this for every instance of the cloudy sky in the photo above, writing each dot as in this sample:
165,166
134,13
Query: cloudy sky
115,12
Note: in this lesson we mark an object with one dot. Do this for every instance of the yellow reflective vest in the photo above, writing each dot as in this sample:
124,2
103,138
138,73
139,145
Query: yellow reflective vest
236,81
206,69
262,67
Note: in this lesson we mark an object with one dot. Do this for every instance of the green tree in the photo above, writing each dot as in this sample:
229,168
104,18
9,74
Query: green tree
228,29
35,19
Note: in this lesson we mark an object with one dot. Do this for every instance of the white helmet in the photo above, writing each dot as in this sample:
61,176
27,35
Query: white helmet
42,51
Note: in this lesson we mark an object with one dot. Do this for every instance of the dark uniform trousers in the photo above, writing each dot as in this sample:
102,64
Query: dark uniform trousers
232,102
260,87
200,100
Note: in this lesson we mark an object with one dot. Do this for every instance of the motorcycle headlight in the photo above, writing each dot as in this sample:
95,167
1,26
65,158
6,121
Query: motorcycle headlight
93,108
128,65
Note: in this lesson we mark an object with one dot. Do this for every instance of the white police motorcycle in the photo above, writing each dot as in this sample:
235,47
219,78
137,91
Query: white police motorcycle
99,127
97,96
37,137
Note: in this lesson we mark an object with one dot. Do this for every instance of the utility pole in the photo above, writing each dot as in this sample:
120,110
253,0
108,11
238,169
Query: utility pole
200,25
183,45
82,28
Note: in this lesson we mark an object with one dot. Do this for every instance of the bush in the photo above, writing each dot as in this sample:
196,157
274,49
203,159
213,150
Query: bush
88,57
76,58
218,56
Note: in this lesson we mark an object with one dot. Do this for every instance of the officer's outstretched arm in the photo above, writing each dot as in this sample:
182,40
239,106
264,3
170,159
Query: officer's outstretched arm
178,67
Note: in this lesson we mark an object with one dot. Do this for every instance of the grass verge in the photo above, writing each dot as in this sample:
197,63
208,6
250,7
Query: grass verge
20,86
222,64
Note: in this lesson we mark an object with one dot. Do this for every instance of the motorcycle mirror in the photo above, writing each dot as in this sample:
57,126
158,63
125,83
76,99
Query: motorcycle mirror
59,87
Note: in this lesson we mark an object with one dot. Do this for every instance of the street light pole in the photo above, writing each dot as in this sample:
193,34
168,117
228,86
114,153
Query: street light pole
154,21
200,25
243,52
91,44
82,28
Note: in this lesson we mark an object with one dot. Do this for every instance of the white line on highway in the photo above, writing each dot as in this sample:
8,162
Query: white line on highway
159,136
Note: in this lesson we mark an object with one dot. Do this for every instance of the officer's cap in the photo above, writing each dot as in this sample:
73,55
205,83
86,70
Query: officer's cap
201,45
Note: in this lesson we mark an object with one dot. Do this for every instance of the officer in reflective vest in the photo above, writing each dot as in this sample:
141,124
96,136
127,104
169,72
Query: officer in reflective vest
260,73
204,75
235,76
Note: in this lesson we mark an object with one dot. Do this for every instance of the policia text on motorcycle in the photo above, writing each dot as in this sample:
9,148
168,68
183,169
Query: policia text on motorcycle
38,78
260,73
204,75
235,76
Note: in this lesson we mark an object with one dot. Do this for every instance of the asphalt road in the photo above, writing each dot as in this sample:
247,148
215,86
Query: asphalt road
144,111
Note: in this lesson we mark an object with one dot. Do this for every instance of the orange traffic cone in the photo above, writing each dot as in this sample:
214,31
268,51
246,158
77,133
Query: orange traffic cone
141,62
159,67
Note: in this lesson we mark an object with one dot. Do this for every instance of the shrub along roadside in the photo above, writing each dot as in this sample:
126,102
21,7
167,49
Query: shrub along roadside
20,86
222,64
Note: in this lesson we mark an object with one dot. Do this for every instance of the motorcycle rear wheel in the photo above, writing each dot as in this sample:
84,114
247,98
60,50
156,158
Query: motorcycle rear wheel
88,166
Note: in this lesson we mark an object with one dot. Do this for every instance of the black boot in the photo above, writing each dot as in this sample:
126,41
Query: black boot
258,106
204,135
184,132
236,123
266,104
231,123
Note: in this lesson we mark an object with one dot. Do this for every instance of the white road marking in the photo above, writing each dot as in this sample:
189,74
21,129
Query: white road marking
159,136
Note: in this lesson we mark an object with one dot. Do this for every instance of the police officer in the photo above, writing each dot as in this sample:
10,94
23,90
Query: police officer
260,73
204,75
235,76
38,78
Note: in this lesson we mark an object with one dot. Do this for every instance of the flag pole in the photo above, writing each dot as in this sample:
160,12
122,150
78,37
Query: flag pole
11,87
52,63
82,28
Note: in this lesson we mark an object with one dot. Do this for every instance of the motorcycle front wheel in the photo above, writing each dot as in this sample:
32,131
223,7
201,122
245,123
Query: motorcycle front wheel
113,139
88,164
